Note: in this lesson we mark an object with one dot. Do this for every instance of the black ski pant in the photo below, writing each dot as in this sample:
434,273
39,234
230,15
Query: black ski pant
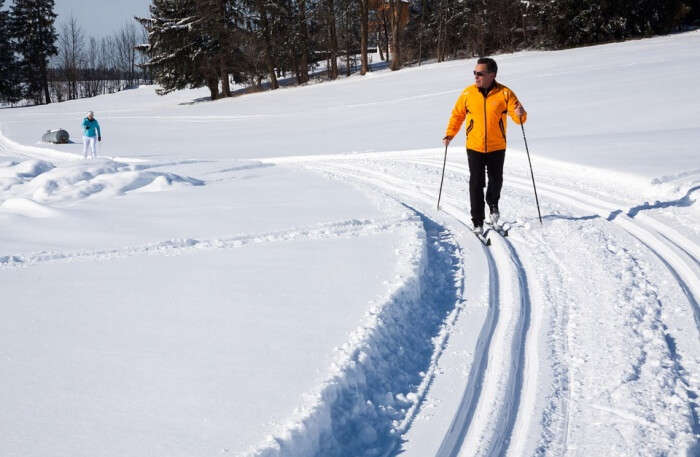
480,165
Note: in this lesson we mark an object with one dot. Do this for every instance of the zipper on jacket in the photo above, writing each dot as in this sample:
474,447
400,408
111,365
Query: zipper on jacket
470,127
486,147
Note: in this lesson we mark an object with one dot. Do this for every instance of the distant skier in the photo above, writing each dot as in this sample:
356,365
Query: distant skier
91,132
485,105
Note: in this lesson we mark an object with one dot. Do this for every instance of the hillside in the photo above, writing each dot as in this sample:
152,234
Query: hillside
268,274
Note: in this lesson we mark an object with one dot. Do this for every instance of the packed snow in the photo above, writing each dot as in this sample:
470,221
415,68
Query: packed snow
268,275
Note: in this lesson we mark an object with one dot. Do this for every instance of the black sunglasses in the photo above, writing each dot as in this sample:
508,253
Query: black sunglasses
481,73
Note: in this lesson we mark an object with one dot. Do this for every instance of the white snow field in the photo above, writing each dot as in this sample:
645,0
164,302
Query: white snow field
268,275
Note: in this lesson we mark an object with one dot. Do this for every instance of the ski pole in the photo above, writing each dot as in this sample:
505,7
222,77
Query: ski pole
444,162
531,173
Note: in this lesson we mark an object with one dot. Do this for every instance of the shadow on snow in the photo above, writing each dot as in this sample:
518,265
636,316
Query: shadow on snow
365,413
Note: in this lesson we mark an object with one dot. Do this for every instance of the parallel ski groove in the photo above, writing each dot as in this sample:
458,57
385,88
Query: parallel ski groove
661,243
503,264
454,437
518,364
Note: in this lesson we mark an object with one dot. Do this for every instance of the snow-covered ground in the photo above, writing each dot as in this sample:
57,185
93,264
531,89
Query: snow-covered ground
268,275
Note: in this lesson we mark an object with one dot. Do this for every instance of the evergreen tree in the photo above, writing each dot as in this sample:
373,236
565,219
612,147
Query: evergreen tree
169,47
32,27
189,44
9,87
264,28
201,42
692,12
219,33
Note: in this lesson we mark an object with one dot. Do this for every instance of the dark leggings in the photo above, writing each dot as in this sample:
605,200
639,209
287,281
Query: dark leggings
480,165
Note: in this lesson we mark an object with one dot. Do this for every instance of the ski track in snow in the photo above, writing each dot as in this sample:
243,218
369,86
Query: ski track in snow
678,253
343,229
675,251
498,406
487,413
389,363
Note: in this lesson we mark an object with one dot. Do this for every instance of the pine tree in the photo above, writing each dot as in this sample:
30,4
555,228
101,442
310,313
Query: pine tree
169,48
32,26
264,28
218,31
191,44
692,12
9,87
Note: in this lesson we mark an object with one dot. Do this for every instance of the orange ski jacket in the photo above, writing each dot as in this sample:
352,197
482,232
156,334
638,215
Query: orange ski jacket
485,117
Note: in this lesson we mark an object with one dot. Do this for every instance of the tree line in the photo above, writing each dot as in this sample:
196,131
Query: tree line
86,67
40,64
254,42
261,43
27,40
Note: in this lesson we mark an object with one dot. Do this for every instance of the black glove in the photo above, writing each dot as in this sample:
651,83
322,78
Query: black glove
99,138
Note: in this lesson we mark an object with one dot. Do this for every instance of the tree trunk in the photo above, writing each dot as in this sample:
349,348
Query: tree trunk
395,29
379,47
45,83
386,37
348,69
271,68
347,45
421,32
225,86
213,84
303,29
268,45
442,37
332,41
364,35
296,66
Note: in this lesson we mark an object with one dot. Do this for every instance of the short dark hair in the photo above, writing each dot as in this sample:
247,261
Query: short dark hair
491,66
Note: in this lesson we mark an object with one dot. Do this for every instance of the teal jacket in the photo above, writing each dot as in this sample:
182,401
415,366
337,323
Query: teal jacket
89,127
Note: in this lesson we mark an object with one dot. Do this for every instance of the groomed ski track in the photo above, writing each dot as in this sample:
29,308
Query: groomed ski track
502,337
677,252
492,398
499,405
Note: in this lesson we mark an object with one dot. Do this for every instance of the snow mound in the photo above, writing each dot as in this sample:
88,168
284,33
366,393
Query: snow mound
27,207
13,172
45,182
159,184
26,168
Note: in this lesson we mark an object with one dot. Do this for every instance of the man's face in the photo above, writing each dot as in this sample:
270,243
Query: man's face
90,116
482,77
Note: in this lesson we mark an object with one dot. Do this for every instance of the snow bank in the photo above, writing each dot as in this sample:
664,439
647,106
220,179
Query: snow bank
381,374
43,182
35,151
27,207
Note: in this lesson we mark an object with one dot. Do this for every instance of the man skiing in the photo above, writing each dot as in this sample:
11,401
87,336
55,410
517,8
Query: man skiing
90,125
485,105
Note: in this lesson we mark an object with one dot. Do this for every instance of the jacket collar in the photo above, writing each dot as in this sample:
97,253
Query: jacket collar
486,92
